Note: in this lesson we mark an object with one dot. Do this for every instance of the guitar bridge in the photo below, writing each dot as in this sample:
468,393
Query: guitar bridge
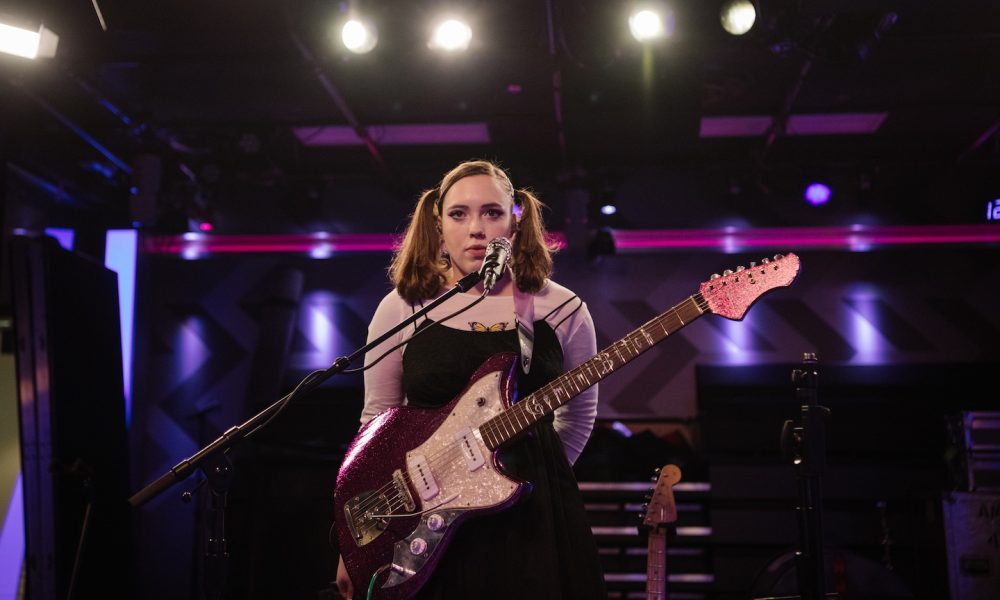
368,513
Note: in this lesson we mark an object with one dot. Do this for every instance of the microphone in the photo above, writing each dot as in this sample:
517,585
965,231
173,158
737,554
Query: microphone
498,253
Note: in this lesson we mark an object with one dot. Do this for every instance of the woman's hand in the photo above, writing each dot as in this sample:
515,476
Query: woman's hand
343,581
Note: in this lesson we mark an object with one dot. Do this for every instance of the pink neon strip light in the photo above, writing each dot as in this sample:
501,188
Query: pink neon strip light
854,237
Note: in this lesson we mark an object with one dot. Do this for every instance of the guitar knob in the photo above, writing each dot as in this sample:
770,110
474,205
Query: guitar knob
418,546
765,260
740,268
435,522
753,264
727,273
715,276
778,256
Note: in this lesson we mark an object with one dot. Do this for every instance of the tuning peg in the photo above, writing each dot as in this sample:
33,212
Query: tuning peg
753,264
715,276
740,268
765,260
727,273
778,256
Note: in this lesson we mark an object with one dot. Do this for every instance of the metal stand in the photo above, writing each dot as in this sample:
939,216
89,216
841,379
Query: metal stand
804,444
219,473
214,462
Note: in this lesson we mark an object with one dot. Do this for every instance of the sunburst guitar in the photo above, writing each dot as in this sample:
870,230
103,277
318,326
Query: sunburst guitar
660,510
412,476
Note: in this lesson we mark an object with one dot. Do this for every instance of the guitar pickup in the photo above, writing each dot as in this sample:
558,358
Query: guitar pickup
421,476
473,455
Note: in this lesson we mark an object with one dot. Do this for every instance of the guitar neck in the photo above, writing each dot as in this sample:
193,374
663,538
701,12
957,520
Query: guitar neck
529,410
656,576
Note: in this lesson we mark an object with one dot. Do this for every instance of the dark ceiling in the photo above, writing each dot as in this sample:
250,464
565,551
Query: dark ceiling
197,102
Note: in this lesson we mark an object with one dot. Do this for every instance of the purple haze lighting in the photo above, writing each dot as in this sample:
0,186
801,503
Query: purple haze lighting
64,236
817,194
12,542
120,256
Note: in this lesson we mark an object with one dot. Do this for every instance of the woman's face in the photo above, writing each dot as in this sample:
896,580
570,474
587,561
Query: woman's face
474,211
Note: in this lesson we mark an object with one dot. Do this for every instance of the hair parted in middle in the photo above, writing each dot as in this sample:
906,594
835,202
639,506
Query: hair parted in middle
418,270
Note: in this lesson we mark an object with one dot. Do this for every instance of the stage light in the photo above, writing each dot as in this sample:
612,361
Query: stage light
817,193
205,226
452,35
27,43
609,209
738,16
648,25
359,36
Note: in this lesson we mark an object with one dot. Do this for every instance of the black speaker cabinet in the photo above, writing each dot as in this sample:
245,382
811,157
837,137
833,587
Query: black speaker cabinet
972,539
74,456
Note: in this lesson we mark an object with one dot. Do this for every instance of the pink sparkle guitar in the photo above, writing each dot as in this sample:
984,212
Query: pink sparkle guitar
412,476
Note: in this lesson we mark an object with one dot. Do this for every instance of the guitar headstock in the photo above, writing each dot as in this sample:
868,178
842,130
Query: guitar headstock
730,295
662,508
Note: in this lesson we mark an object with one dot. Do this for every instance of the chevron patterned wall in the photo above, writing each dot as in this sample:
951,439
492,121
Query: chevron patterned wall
198,362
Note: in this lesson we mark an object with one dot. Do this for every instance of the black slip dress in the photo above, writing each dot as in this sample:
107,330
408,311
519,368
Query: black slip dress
541,548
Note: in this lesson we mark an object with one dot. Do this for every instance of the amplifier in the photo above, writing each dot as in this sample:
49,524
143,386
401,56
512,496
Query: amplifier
976,463
972,539
982,431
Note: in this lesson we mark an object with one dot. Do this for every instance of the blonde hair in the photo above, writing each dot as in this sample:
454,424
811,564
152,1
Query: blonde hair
419,271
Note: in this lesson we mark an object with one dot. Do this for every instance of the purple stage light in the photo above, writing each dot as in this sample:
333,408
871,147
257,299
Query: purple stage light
817,194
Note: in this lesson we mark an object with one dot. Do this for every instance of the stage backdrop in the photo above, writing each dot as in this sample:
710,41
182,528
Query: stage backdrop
221,337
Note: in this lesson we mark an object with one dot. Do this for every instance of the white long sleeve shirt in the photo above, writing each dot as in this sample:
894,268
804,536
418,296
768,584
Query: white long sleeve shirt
568,316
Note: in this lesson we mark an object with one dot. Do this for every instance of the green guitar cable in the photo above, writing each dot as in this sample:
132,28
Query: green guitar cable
371,585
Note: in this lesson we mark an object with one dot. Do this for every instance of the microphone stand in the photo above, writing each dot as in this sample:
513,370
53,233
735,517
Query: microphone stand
218,469
805,445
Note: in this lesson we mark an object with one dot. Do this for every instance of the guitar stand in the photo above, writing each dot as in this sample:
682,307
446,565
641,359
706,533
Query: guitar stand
804,444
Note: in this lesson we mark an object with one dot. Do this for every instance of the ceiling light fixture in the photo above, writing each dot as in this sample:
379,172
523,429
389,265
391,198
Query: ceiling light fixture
452,35
817,194
650,23
359,36
27,43
738,16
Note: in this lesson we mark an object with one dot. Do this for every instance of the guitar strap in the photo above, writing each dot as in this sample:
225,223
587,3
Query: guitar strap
524,321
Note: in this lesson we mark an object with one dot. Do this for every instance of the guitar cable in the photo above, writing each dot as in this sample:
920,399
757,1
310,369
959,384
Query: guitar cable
409,339
371,586
312,376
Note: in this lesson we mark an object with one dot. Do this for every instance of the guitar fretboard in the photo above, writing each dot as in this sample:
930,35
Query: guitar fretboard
656,560
529,410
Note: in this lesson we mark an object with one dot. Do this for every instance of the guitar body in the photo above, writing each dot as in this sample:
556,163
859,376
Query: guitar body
412,476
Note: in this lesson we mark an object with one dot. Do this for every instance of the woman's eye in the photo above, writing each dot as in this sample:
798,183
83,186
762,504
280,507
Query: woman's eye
456,214
494,212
